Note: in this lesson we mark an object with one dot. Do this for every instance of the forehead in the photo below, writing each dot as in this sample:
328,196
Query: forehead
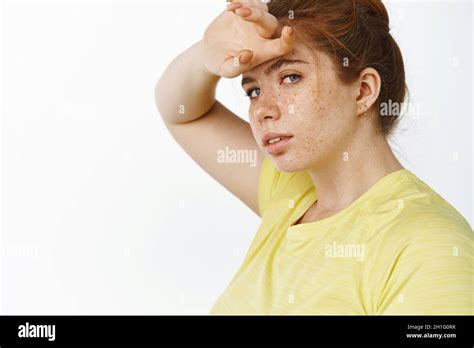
299,52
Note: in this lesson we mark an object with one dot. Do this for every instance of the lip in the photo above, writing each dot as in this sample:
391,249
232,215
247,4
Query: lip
270,135
277,147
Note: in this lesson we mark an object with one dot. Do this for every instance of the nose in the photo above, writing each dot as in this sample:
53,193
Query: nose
266,109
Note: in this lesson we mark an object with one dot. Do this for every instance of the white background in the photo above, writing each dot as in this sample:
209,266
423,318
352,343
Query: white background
103,213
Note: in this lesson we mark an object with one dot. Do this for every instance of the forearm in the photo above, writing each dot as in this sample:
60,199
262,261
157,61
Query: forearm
186,90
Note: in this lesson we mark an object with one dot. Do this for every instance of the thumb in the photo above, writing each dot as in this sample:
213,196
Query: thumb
237,63
245,56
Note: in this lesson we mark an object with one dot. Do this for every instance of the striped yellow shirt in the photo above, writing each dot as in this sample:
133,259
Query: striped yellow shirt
400,248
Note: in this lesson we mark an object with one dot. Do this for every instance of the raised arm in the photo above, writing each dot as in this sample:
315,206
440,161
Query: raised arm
185,95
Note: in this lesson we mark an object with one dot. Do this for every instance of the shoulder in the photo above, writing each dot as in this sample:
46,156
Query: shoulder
425,232
413,210
422,263
430,219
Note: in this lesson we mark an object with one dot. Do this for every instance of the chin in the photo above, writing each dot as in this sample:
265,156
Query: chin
287,163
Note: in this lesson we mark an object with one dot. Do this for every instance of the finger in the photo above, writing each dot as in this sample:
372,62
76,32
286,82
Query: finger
261,4
241,57
280,46
266,23
233,6
243,11
236,64
245,56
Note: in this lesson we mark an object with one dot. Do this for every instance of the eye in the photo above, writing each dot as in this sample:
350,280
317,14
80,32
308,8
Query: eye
253,93
292,78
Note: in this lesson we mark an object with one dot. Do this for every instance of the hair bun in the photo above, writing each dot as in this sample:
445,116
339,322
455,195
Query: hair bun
373,13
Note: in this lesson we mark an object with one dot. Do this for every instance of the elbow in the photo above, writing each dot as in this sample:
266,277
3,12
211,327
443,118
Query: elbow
159,100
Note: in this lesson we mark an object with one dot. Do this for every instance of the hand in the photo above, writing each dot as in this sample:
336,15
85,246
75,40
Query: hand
240,38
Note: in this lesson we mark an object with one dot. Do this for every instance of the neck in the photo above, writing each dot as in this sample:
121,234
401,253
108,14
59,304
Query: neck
366,160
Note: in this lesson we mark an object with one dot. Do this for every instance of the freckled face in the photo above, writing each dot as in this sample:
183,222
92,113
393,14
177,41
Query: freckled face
306,100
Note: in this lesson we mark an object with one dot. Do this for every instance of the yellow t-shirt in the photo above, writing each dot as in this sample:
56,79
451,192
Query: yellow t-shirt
400,248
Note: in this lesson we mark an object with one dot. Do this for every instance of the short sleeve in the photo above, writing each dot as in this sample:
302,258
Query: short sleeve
431,274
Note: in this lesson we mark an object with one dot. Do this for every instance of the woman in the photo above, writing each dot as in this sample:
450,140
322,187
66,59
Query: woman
346,229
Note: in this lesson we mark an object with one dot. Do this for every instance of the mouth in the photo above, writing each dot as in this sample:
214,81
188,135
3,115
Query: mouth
274,143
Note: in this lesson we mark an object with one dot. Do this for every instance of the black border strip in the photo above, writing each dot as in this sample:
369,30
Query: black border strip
222,330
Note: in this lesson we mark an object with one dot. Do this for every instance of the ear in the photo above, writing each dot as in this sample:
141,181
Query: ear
369,83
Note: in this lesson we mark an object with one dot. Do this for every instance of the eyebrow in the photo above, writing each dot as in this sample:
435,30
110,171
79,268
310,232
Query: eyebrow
275,66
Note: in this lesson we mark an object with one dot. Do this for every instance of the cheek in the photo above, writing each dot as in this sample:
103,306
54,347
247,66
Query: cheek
288,102
311,108
254,124
330,109
321,119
